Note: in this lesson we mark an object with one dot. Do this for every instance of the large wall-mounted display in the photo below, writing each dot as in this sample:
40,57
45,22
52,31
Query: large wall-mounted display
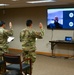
60,18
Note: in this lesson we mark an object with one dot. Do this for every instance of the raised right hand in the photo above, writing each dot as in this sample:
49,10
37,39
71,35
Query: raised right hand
10,24
40,25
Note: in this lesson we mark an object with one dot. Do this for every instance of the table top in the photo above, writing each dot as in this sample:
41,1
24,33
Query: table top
61,41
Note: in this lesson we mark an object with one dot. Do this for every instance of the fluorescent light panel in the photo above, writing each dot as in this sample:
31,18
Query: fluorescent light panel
15,0
42,1
4,4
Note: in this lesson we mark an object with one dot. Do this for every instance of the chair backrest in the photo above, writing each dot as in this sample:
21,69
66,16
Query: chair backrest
10,58
16,59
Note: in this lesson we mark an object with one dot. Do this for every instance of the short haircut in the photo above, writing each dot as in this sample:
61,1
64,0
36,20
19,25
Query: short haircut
28,22
1,23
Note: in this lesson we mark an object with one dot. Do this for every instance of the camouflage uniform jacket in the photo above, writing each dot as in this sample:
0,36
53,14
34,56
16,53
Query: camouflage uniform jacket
3,38
28,38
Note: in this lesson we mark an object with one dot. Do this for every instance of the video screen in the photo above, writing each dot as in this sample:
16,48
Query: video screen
60,18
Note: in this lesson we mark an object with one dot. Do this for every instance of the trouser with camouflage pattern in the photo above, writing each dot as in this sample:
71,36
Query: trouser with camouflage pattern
2,50
29,54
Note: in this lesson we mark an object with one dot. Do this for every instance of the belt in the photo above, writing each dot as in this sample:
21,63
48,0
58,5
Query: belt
29,51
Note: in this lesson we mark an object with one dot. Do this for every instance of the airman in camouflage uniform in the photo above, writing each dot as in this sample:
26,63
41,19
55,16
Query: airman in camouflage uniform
3,37
28,38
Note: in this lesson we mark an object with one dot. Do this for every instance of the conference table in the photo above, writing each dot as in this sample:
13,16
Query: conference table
56,42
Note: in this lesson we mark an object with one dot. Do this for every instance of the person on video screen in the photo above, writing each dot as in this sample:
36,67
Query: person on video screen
55,25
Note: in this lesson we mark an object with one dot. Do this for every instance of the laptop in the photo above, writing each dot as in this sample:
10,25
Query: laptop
68,38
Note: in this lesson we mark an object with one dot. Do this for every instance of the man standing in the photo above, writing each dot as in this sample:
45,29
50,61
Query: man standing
3,38
28,38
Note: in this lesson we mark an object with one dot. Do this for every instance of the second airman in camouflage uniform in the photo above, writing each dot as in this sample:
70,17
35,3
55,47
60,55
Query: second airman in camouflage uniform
3,38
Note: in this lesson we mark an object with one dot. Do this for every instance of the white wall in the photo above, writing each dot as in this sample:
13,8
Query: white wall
18,17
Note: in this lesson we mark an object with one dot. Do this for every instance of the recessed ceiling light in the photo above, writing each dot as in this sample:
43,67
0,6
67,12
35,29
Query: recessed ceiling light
4,4
42,1
15,0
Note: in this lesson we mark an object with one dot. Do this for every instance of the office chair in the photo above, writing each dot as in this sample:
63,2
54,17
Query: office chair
1,61
1,65
15,63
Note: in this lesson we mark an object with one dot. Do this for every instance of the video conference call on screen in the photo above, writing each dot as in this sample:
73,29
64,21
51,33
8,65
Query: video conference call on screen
60,18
